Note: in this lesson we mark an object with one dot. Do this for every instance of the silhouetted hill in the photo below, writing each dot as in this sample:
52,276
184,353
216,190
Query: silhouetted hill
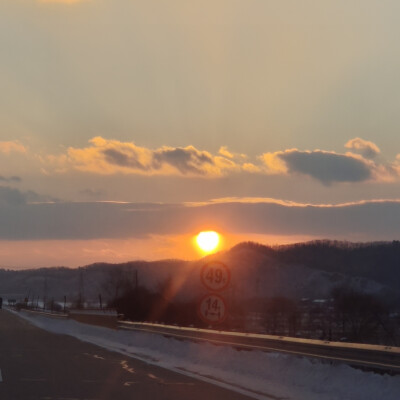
378,261
300,270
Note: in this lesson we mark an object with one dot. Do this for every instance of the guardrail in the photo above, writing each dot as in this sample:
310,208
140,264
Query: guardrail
101,317
50,314
375,357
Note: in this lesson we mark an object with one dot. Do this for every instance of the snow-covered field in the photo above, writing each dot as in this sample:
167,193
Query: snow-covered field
254,373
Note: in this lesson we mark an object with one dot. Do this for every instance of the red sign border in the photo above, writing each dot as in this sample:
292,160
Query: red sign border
203,281
203,318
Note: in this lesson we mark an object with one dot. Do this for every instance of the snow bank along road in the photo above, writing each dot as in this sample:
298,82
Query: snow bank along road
381,358
35,364
258,374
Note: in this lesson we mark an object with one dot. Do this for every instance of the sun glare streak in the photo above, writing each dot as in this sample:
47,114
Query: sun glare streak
208,241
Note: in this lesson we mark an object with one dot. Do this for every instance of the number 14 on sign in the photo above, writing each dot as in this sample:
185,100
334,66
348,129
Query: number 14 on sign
212,309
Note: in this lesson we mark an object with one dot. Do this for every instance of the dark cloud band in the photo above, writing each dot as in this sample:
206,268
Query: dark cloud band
19,220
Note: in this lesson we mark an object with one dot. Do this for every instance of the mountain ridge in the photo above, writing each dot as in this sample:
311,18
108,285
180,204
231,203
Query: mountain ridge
307,269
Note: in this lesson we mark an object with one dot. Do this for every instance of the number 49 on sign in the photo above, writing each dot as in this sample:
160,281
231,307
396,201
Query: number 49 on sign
215,276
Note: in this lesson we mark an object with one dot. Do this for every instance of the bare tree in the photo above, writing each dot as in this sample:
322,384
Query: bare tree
118,281
358,314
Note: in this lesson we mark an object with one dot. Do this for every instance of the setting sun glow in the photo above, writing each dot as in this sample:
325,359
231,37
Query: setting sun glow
207,241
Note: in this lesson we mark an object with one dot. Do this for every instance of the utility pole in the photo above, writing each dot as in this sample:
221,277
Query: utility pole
81,298
45,293
100,302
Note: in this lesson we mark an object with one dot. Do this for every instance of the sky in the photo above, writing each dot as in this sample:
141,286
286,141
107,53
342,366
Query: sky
126,127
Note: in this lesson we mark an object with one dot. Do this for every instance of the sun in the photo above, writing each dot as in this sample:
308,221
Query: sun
207,241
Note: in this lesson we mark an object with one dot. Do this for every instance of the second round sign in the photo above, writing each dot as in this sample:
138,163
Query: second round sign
215,276
212,309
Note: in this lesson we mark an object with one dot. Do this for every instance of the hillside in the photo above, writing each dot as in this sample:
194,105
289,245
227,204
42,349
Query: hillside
301,270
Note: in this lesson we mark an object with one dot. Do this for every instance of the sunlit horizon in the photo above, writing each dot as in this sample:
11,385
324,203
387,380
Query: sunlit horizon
77,253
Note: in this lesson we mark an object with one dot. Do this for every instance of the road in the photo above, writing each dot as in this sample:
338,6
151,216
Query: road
35,364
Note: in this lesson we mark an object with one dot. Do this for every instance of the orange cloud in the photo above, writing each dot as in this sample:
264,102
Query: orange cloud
12,147
252,168
107,157
273,163
286,203
223,151
363,147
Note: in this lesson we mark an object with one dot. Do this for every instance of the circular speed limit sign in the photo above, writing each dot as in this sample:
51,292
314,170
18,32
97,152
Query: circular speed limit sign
212,309
215,276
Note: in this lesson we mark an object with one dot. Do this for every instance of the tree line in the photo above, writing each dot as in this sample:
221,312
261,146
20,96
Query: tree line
347,315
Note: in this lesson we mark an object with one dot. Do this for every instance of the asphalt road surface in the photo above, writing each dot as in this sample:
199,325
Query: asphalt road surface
35,364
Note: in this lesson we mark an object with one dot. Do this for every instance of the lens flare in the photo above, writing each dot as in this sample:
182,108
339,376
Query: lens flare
207,241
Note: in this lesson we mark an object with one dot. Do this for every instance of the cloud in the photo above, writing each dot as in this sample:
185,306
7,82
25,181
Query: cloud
119,158
10,196
11,179
107,157
92,192
185,160
361,164
223,151
367,149
12,147
326,167
366,220
252,168
14,197
112,156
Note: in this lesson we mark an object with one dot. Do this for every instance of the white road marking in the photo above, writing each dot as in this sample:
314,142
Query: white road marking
94,356
130,383
125,366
